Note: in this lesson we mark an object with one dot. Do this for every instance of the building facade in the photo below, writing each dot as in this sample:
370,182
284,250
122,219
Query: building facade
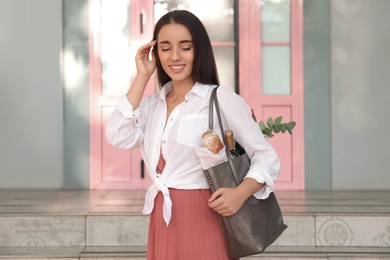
337,82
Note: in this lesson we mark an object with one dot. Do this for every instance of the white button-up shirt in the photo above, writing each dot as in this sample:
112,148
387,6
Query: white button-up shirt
180,140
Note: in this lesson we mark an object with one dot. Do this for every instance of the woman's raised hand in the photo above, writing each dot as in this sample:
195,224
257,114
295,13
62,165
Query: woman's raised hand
145,69
145,66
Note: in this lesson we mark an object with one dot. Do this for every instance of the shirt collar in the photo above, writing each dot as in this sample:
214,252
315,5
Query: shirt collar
198,89
165,90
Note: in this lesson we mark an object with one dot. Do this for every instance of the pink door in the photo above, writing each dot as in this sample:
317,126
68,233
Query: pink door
116,30
269,73
271,76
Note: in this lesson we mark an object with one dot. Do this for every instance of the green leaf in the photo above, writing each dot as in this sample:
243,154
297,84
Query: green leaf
283,128
291,125
262,125
276,128
270,122
278,120
267,132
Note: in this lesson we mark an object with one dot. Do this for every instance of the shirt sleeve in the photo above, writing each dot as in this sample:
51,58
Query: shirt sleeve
124,129
237,116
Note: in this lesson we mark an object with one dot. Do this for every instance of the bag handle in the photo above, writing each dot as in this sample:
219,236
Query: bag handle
211,114
214,100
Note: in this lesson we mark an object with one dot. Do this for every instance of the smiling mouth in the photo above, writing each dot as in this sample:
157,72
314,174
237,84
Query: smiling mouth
179,67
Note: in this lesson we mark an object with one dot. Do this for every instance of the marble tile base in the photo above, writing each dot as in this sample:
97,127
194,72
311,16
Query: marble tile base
117,230
42,231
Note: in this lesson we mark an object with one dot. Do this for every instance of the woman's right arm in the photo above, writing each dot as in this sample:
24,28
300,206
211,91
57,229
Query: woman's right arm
124,128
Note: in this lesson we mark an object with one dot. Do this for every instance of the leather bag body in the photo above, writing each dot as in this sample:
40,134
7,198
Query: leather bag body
258,223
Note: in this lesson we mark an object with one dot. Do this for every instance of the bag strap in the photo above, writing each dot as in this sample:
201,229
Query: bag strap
214,100
211,114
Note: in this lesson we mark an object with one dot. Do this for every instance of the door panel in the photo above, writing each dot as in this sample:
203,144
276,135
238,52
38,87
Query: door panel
282,142
116,164
116,28
271,76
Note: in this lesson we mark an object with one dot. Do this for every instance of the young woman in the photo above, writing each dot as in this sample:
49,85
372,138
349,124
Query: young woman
169,126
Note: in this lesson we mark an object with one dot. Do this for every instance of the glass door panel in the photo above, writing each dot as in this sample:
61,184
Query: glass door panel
276,70
218,17
116,60
275,20
226,67
276,41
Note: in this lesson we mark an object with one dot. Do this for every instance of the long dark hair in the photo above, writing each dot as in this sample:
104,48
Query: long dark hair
204,69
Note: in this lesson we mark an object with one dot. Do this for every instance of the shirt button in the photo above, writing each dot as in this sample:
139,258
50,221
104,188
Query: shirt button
164,141
171,119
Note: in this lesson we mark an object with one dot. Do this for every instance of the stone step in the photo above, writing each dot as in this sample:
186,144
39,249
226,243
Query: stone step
304,230
107,225
138,253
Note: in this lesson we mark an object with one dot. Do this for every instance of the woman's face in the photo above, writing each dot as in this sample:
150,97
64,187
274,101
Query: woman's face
176,52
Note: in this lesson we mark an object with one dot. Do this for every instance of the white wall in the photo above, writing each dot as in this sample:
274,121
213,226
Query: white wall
360,93
31,108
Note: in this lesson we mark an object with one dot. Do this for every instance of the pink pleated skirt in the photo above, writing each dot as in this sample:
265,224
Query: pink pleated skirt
194,232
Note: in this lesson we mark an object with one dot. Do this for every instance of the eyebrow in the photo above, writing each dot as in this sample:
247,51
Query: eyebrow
168,42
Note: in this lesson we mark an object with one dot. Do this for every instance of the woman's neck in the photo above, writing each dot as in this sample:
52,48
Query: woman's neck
180,89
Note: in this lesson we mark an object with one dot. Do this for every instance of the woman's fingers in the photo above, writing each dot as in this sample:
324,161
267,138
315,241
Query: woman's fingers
215,195
145,66
153,58
143,51
226,201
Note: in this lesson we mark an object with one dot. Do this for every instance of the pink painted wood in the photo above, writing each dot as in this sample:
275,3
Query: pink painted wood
289,148
111,168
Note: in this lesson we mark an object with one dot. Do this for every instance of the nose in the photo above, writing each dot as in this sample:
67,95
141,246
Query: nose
176,56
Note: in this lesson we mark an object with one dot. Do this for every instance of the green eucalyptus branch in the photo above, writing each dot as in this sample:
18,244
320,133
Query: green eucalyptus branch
272,127
276,126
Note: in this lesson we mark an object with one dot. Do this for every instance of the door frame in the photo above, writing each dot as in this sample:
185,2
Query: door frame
250,75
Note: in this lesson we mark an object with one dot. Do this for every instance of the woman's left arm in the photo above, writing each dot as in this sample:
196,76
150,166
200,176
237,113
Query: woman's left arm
265,163
227,201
